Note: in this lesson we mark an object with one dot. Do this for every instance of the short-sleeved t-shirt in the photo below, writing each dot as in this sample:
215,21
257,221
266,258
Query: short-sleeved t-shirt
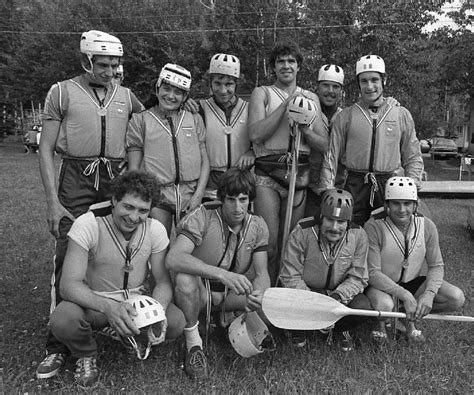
107,246
206,228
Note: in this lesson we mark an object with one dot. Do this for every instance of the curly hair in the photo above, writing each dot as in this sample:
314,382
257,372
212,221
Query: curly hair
285,48
137,182
234,182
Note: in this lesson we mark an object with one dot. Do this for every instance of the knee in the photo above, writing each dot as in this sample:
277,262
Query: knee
176,322
456,299
186,284
382,301
65,318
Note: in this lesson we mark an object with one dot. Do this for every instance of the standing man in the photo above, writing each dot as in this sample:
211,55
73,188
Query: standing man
373,140
329,90
269,130
220,261
328,254
85,120
106,264
225,117
405,260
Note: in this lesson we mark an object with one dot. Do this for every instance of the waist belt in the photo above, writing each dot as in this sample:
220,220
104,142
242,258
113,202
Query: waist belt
93,167
372,178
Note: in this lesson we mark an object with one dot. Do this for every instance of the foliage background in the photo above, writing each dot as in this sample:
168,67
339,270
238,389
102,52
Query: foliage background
428,74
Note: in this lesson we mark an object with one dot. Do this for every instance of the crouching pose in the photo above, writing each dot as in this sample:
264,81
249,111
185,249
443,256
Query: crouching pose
329,255
106,263
220,257
400,242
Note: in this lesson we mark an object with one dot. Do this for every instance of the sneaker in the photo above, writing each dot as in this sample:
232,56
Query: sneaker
50,366
195,365
86,371
297,338
347,343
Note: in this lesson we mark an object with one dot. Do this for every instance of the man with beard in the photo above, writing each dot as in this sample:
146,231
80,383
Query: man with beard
328,254
220,261
84,120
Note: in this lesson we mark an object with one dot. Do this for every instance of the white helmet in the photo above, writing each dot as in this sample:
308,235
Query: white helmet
175,75
302,110
222,63
331,72
149,312
401,188
247,333
370,63
95,42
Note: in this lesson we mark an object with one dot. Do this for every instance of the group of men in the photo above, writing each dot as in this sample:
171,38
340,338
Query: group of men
224,256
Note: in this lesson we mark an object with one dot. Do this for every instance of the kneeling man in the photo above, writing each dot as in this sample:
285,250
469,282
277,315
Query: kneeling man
220,260
107,262
405,260
329,255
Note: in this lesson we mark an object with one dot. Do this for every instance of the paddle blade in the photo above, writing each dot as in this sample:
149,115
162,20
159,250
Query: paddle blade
298,309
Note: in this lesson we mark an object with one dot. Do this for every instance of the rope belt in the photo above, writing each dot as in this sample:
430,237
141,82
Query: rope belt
94,168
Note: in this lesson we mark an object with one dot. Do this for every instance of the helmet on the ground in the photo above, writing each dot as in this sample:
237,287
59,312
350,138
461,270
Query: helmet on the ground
247,333
302,110
401,188
331,72
370,63
149,311
95,42
337,204
222,63
175,75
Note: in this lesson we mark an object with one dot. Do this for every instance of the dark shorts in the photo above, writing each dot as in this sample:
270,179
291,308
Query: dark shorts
413,285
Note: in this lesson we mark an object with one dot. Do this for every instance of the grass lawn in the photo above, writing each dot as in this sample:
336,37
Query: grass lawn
444,364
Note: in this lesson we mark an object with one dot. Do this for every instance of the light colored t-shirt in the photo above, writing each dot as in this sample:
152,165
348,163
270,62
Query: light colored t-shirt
107,250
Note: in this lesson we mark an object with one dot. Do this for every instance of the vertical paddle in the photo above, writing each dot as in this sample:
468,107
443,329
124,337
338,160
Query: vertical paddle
291,189
299,309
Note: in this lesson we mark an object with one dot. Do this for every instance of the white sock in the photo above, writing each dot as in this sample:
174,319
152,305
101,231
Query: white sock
192,337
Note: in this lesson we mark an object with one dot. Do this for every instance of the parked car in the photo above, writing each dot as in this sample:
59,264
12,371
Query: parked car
425,146
443,147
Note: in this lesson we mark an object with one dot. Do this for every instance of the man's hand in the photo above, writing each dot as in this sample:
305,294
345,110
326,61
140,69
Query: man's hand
410,304
254,301
191,105
193,203
119,315
237,283
56,212
247,160
122,167
425,304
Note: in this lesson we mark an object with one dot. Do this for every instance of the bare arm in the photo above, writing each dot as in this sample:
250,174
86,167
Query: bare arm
316,140
74,289
181,260
56,211
163,291
261,281
261,125
134,157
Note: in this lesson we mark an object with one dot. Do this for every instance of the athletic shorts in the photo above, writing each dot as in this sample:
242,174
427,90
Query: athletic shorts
413,285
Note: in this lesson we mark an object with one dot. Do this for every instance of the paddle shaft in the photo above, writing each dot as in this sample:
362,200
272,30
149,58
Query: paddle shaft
291,188
391,314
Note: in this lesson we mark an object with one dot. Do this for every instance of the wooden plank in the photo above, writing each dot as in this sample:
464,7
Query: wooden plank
447,188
